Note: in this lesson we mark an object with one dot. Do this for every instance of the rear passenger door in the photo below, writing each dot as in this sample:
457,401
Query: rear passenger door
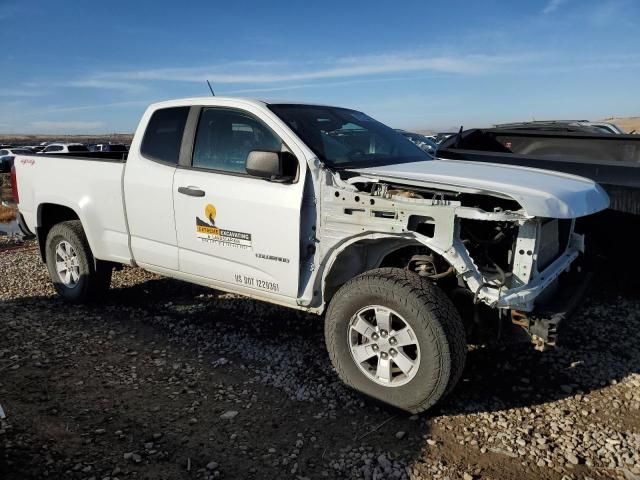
148,189
234,229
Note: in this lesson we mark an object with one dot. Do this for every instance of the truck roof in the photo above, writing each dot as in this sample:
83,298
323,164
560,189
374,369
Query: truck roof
180,102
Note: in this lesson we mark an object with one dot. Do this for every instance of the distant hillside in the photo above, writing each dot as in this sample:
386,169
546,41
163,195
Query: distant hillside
628,124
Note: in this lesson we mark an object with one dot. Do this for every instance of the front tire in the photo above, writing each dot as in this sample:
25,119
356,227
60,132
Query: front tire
76,275
396,337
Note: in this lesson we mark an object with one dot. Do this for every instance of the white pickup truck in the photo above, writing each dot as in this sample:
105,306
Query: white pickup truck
321,209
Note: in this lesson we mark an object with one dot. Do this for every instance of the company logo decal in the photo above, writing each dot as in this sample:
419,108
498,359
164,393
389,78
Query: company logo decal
208,232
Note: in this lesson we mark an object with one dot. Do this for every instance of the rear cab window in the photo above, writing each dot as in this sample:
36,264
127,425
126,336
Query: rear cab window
163,137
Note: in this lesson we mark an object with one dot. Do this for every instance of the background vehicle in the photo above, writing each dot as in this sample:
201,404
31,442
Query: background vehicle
108,147
321,209
424,142
442,136
16,151
34,148
63,148
6,162
611,160
565,125
7,155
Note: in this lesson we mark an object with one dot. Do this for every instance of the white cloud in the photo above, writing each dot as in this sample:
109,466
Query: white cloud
275,72
306,85
65,127
19,92
553,5
104,84
101,106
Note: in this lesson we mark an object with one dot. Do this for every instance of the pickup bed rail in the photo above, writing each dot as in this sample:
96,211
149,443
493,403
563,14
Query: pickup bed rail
96,156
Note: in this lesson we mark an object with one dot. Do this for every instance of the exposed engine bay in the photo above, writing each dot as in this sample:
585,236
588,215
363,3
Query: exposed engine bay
481,247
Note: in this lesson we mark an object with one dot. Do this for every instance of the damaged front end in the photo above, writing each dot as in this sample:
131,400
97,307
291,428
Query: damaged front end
485,245
529,271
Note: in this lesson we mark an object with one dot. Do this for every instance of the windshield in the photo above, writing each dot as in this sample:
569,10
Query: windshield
344,138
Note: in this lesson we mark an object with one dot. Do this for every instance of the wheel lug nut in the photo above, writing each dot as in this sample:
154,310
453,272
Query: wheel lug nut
375,336
393,352
384,355
393,341
383,333
375,347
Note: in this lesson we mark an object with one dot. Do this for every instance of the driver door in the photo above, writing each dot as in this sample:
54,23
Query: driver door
234,229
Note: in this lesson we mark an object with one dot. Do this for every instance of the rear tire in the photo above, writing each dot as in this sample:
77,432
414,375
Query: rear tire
420,373
76,275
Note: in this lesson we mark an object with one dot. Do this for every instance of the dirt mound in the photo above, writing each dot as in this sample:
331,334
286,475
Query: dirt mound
628,124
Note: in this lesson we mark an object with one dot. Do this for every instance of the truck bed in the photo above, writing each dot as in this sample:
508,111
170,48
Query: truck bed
611,160
74,182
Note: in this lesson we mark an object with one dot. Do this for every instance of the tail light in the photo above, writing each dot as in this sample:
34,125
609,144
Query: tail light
14,185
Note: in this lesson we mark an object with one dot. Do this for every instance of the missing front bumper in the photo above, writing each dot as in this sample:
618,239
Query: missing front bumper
542,324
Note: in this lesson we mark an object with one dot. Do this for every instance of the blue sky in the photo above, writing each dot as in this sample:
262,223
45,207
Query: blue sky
92,67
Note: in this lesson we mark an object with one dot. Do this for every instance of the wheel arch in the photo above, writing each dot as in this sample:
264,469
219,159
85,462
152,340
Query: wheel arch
361,254
48,215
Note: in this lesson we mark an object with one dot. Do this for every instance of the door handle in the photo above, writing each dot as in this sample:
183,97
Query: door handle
191,191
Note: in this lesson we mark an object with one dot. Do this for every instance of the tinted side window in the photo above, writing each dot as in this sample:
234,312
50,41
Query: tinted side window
54,148
4,152
163,136
78,148
225,137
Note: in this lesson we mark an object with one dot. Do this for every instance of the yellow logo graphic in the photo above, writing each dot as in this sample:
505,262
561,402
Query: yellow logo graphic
208,232
210,213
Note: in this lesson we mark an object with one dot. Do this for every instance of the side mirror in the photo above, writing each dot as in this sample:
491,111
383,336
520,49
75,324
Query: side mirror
273,166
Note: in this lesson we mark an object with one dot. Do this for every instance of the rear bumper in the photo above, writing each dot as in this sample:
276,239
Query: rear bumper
542,324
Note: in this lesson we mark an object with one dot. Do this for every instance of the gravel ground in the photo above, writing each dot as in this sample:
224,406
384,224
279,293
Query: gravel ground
165,380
